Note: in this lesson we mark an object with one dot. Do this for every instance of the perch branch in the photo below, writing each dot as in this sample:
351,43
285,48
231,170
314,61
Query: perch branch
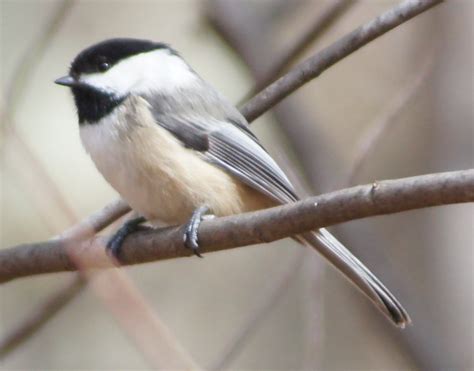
385,197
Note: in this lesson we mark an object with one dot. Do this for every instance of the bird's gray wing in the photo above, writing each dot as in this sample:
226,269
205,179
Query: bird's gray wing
224,139
243,156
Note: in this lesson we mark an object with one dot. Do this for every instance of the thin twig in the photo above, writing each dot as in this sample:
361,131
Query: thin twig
318,63
96,222
385,197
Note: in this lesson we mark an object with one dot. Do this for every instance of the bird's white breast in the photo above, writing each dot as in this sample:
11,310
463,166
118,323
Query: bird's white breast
154,173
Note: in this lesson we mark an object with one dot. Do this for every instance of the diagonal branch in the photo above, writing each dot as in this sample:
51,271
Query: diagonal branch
318,63
328,16
386,197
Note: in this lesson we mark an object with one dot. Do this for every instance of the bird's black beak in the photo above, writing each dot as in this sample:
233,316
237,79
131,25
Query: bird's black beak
66,81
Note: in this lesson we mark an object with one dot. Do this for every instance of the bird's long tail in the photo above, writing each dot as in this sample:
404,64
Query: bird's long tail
341,258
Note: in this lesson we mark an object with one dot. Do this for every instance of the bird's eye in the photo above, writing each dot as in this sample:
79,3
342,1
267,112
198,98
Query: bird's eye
104,66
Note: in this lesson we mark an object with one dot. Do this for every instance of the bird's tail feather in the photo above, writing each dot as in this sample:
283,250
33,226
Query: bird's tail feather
356,272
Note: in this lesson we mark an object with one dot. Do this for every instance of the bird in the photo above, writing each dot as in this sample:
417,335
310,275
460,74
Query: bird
177,150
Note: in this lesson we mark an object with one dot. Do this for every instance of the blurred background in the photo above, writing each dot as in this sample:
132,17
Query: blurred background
416,82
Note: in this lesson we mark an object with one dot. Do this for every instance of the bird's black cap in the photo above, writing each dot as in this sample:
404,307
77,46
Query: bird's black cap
105,54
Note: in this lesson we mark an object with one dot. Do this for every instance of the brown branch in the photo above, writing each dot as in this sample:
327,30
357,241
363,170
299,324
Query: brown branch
96,222
385,197
323,21
318,63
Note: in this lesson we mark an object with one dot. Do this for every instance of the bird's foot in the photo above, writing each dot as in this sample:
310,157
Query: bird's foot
190,237
114,245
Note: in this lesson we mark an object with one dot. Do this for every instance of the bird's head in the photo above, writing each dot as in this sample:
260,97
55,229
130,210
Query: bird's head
108,72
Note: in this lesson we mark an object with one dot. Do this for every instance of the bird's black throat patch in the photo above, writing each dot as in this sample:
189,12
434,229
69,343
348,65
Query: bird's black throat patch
92,104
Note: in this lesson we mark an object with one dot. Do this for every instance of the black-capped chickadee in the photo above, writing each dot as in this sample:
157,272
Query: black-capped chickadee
174,148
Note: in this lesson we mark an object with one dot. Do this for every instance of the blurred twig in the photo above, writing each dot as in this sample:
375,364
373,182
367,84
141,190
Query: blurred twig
386,120
385,197
318,63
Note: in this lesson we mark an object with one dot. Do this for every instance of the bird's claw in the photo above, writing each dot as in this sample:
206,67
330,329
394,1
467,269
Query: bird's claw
191,228
114,245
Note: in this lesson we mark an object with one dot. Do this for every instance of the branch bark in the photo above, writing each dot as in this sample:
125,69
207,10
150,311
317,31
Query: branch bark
386,197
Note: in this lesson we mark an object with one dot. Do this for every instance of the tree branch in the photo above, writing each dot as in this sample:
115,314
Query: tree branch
325,19
318,63
386,197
